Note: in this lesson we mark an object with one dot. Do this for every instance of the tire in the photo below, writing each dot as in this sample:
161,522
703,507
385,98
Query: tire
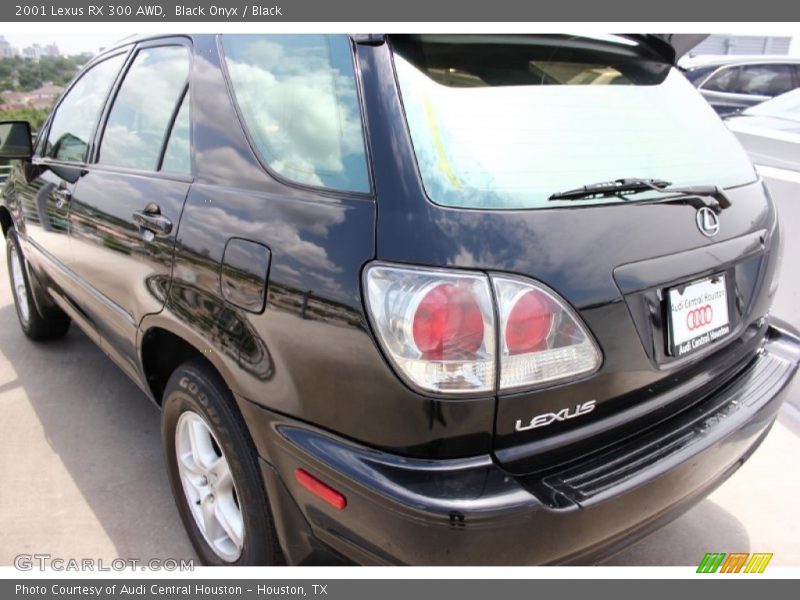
38,327
201,423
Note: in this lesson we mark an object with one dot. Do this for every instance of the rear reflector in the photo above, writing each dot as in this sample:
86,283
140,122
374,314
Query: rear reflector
316,487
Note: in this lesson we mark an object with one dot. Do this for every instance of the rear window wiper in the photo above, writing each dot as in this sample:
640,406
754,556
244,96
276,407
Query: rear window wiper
621,187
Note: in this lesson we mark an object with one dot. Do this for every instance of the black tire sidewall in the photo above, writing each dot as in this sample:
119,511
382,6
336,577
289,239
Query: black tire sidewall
13,242
54,323
192,387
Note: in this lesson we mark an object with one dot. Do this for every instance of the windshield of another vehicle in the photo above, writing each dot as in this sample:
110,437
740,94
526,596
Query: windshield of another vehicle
785,106
506,121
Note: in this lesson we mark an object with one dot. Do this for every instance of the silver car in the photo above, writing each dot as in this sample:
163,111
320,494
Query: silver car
770,133
733,83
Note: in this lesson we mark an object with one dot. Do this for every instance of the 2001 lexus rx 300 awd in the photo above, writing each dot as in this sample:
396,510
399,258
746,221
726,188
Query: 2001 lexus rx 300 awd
410,299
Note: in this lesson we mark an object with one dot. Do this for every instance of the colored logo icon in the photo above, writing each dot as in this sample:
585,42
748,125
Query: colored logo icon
735,562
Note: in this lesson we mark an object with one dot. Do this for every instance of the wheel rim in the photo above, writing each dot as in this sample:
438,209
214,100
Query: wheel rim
18,282
208,486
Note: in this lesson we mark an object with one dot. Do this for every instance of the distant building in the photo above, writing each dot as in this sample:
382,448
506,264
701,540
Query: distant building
719,43
6,50
43,97
34,52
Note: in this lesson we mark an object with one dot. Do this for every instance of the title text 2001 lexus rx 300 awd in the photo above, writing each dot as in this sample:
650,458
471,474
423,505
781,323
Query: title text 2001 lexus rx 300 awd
410,299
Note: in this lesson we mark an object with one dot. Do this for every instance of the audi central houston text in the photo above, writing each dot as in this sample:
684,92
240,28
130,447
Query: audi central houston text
156,589
410,299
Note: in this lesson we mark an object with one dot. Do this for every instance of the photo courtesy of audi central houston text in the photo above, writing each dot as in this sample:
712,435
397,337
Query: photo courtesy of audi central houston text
426,299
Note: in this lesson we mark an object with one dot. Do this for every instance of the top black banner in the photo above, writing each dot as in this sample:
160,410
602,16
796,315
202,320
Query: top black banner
623,11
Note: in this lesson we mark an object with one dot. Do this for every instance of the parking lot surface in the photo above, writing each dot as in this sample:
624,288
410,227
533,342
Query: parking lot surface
82,473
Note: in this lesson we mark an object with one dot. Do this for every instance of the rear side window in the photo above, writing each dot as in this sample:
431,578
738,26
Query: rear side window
507,121
297,95
144,108
764,80
75,118
698,74
723,80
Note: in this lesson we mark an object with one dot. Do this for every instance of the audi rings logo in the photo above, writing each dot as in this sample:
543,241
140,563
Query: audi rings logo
699,317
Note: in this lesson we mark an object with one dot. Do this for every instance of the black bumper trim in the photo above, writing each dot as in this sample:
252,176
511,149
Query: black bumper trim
611,470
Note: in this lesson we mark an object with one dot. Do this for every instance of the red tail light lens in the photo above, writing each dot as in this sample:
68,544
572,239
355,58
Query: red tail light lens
529,323
448,323
544,340
316,487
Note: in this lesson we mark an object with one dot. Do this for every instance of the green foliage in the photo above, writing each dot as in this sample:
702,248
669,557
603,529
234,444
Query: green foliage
35,116
24,74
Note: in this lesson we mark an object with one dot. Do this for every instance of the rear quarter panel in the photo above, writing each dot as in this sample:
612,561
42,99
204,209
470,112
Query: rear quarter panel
310,353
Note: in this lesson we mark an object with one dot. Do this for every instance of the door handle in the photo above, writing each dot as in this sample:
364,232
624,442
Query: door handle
62,196
151,219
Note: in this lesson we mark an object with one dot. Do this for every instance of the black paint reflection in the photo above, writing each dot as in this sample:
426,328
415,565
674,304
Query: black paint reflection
225,330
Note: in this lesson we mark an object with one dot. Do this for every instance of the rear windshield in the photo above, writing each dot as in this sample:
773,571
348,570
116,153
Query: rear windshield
506,121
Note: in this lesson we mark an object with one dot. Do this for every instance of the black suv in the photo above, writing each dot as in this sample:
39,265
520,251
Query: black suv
410,299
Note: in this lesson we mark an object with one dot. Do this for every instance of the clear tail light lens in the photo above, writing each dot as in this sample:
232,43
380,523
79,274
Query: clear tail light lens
542,340
439,330
437,327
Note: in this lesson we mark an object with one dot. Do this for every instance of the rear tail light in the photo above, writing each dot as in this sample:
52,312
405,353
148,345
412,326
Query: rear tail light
439,330
543,340
437,327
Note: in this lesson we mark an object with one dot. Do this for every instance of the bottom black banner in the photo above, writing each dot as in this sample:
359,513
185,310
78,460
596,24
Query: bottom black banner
355,589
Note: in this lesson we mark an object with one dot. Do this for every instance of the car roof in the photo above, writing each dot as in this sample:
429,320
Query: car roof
693,62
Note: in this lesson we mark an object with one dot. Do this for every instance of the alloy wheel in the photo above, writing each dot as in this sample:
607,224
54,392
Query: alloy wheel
209,487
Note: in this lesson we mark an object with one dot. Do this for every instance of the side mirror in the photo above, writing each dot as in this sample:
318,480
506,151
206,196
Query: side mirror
15,140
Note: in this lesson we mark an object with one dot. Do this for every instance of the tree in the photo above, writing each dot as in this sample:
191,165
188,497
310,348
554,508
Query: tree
25,74
34,116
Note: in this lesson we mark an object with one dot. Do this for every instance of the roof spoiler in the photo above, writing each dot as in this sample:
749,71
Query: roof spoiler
670,46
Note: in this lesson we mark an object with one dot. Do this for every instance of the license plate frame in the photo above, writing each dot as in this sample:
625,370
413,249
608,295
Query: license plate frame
698,314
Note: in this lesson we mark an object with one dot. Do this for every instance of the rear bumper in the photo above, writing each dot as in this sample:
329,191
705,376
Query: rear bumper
471,511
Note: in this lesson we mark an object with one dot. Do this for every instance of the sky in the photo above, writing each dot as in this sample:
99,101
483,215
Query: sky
67,44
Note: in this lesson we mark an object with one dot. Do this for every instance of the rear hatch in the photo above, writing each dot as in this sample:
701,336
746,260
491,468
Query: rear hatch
495,125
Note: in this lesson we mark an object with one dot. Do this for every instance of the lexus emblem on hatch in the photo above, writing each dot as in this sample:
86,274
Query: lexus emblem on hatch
707,222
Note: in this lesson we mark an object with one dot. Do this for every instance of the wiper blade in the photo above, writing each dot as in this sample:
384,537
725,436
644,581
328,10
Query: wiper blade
623,187
605,189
